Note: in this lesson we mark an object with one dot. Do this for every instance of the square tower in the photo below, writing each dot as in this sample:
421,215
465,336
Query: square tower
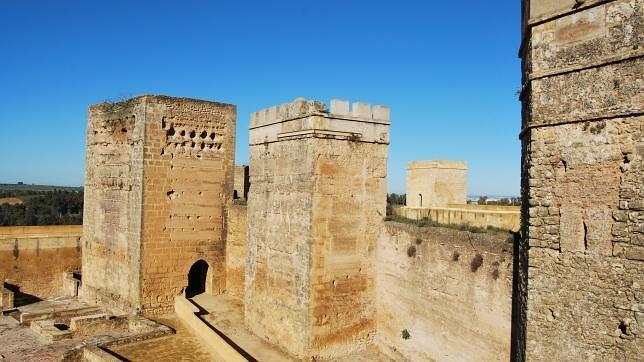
317,199
158,177
579,265
436,183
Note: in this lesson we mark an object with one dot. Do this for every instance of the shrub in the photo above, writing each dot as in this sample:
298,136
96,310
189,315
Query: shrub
405,334
476,262
411,251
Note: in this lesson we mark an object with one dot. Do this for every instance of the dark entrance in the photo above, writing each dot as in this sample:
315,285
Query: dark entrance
197,278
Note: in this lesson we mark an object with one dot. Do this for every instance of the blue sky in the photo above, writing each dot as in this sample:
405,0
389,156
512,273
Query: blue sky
448,70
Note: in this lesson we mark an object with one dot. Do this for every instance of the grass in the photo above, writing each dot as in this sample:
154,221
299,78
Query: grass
425,222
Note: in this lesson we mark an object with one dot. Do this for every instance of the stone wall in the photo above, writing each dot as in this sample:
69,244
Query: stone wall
318,194
236,250
112,205
504,217
439,182
34,258
158,181
581,263
241,182
450,290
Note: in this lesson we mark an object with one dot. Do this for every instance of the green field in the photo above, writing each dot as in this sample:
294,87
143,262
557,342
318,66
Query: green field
40,188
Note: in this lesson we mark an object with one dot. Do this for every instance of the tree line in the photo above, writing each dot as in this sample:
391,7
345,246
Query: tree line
57,207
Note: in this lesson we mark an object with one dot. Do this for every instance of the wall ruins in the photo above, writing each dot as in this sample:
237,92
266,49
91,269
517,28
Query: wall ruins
33,259
580,265
158,179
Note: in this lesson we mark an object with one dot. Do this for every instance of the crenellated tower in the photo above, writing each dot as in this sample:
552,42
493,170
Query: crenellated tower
317,199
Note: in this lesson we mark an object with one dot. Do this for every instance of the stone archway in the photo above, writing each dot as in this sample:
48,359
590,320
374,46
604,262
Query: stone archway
197,278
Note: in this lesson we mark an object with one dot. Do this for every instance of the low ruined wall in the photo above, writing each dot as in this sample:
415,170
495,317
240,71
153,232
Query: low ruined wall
451,290
236,250
504,217
34,258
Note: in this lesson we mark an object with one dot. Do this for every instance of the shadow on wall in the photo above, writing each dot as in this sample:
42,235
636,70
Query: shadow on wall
20,298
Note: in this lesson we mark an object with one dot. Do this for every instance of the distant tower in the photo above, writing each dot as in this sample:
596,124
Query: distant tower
317,198
579,278
436,183
158,177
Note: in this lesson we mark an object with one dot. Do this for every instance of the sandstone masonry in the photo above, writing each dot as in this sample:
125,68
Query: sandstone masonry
159,175
317,199
578,283
436,183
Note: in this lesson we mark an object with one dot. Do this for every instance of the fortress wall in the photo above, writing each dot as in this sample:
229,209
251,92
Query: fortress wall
34,258
277,279
236,234
504,219
188,183
349,205
112,205
452,308
580,267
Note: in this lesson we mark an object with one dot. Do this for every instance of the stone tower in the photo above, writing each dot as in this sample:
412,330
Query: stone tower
579,284
436,183
158,177
317,198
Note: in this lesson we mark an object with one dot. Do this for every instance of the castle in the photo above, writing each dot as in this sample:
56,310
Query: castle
292,256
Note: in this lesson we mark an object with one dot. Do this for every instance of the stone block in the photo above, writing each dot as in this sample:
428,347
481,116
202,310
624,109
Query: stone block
6,299
381,113
340,107
51,331
572,232
361,110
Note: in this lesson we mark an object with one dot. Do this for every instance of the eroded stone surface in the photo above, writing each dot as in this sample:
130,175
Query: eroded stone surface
159,175
580,263
450,290
318,194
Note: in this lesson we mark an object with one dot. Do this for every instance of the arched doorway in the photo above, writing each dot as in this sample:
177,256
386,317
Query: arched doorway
197,278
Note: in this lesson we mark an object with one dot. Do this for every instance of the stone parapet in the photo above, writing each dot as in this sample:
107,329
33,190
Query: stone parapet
439,164
308,118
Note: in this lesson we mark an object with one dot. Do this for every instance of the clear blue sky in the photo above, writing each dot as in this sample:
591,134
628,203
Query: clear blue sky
448,70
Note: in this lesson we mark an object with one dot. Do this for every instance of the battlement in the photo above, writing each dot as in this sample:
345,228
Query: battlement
301,107
309,118
442,164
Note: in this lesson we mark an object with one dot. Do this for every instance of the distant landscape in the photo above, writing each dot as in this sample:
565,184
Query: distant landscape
22,204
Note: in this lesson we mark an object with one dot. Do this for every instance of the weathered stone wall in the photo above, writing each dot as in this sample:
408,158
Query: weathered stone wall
318,194
451,290
236,250
439,182
112,205
34,258
241,182
188,180
508,218
159,176
581,262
